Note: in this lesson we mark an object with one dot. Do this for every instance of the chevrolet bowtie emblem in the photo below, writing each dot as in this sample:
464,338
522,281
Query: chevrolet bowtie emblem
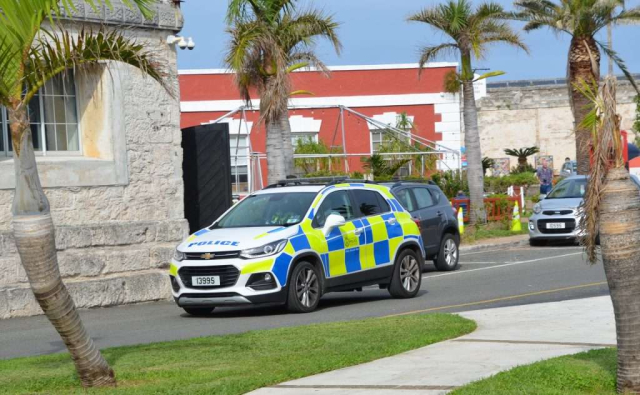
208,255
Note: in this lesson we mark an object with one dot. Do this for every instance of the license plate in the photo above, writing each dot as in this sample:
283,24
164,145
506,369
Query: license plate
556,225
205,281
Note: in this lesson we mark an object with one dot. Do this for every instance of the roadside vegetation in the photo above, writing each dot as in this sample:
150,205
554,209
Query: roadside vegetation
491,230
592,372
236,364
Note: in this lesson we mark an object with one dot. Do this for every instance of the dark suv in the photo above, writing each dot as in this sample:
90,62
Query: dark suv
438,222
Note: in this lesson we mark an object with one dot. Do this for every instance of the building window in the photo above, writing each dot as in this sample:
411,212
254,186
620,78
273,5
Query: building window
303,137
386,139
239,163
54,119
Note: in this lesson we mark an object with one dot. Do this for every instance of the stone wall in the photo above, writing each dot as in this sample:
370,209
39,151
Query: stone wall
114,241
519,116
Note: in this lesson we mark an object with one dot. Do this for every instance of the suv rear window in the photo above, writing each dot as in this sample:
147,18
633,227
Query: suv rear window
370,202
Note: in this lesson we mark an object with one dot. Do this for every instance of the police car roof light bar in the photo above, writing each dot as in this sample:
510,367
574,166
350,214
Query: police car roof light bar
317,181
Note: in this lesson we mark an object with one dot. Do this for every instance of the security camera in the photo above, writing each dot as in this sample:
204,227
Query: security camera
191,44
182,43
171,39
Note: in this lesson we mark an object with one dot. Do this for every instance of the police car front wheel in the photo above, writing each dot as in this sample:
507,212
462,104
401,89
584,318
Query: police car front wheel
407,276
304,288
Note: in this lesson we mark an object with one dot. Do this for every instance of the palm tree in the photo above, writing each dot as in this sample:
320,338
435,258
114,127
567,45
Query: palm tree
487,163
581,19
29,57
612,210
270,40
522,154
471,31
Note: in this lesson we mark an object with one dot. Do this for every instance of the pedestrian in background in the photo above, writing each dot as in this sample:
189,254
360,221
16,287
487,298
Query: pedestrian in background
545,176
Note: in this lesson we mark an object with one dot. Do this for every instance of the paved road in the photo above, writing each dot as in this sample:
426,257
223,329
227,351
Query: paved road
503,277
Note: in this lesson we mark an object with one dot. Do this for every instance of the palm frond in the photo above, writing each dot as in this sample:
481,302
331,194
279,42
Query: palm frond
57,51
620,63
304,27
604,123
428,54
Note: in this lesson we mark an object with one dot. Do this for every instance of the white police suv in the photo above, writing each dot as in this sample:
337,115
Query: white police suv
295,241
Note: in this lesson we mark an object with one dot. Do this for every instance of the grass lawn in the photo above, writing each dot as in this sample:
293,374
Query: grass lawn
489,231
592,372
235,364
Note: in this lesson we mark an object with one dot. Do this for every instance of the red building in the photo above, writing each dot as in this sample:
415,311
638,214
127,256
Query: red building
380,92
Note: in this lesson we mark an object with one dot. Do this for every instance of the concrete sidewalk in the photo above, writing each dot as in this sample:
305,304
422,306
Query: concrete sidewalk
505,338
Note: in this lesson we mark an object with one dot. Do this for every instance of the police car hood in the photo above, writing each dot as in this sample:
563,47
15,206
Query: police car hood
234,239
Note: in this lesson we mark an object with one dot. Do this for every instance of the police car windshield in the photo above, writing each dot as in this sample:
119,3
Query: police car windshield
568,189
268,209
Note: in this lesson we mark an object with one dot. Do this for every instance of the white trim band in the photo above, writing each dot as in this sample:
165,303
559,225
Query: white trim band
399,66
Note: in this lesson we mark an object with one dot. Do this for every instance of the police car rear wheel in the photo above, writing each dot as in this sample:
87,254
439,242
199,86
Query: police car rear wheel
407,276
199,311
304,289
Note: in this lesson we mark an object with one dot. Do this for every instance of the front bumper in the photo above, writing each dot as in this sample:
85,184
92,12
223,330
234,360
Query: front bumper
230,293
538,229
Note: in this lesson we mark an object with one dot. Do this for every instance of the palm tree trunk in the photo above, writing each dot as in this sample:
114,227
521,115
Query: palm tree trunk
276,160
34,236
287,146
620,242
475,176
584,67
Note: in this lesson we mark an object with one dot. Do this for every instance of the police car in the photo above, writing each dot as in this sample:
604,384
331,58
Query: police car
292,242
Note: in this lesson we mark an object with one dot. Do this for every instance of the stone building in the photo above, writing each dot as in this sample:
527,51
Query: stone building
517,114
110,160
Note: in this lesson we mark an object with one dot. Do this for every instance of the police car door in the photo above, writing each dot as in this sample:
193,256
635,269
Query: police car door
343,242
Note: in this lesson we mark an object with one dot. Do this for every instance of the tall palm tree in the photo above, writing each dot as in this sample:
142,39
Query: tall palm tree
270,40
471,30
581,19
612,209
29,57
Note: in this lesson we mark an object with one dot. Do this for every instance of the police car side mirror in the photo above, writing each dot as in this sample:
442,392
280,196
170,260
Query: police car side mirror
542,196
333,221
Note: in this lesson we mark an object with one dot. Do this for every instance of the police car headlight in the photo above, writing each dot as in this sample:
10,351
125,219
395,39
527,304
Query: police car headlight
179,255
537,209
265,250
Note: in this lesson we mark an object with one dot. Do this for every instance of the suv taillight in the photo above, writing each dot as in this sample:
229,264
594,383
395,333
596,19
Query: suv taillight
417,221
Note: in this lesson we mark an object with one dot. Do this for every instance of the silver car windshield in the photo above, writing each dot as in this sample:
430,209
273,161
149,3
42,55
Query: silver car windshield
568,189
268,209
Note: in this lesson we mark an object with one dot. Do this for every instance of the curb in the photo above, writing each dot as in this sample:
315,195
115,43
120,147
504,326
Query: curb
487,246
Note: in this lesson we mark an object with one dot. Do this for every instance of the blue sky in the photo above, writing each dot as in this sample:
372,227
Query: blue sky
376,32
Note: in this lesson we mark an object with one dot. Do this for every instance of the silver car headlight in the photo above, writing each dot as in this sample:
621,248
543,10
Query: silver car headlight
179,255
537,209
265,250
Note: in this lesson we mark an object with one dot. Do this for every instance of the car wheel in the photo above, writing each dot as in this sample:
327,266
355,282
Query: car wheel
304,289
407,275
198,311
535,242
449,254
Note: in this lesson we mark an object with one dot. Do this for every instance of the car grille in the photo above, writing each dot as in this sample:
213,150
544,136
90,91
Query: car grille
228,275
557,212
199,256
569,226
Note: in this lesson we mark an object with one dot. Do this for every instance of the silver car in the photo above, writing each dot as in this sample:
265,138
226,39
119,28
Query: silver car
555,217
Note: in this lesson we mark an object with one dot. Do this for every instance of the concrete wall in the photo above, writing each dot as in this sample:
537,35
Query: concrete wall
517,117
114,236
